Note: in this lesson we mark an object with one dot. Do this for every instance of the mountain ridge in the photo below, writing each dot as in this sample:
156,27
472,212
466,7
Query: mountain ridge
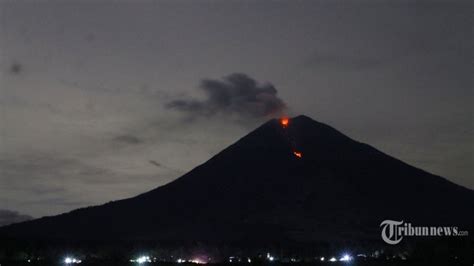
258,189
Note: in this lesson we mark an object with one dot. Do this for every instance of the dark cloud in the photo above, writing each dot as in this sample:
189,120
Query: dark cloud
9,217
129,139
155,163
235,94
16,68
160,165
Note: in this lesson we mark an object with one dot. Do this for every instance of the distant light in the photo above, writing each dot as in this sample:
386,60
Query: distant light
198,261
298,154
322,258
270,257
249,260
284,121
345,257
141,259
333,259
70,260
180,261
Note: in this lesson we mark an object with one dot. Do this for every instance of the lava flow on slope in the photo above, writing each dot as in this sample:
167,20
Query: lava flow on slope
285,122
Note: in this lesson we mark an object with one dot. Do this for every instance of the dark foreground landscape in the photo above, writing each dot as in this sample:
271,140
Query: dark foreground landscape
361,263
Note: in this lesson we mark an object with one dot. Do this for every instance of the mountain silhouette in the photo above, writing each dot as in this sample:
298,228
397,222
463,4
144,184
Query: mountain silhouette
300,181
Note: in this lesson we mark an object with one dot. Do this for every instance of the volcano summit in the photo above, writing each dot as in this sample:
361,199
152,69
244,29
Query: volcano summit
299,181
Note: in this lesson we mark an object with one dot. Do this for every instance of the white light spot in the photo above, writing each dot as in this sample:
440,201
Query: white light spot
345,257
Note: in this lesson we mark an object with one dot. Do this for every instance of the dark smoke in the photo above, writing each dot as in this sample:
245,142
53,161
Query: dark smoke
235,94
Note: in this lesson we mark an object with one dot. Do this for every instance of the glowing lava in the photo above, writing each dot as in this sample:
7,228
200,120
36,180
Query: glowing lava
298,154
285,121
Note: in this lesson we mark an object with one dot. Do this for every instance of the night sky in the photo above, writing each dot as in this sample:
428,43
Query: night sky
104,101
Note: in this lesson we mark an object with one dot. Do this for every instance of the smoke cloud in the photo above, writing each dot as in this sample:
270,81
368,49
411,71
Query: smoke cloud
235,94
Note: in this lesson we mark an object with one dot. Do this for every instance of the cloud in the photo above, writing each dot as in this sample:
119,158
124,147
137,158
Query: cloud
16,68
235,94
9,217
155,163
129,139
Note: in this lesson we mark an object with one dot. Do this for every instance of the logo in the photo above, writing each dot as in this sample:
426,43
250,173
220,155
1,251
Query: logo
394,231
390,232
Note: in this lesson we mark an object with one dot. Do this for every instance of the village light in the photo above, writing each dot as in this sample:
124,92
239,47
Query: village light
345,257
141,260
198,261
70,260
270,257
333,259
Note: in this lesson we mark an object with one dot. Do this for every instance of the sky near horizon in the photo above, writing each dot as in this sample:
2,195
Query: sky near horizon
102,101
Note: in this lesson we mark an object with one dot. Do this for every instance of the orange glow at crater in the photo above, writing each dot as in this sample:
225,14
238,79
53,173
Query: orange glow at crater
298,154
285,121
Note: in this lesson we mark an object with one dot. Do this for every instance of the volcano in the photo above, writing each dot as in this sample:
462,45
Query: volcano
296,181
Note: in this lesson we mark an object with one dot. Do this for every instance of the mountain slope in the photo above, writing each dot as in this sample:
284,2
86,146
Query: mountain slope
258,190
